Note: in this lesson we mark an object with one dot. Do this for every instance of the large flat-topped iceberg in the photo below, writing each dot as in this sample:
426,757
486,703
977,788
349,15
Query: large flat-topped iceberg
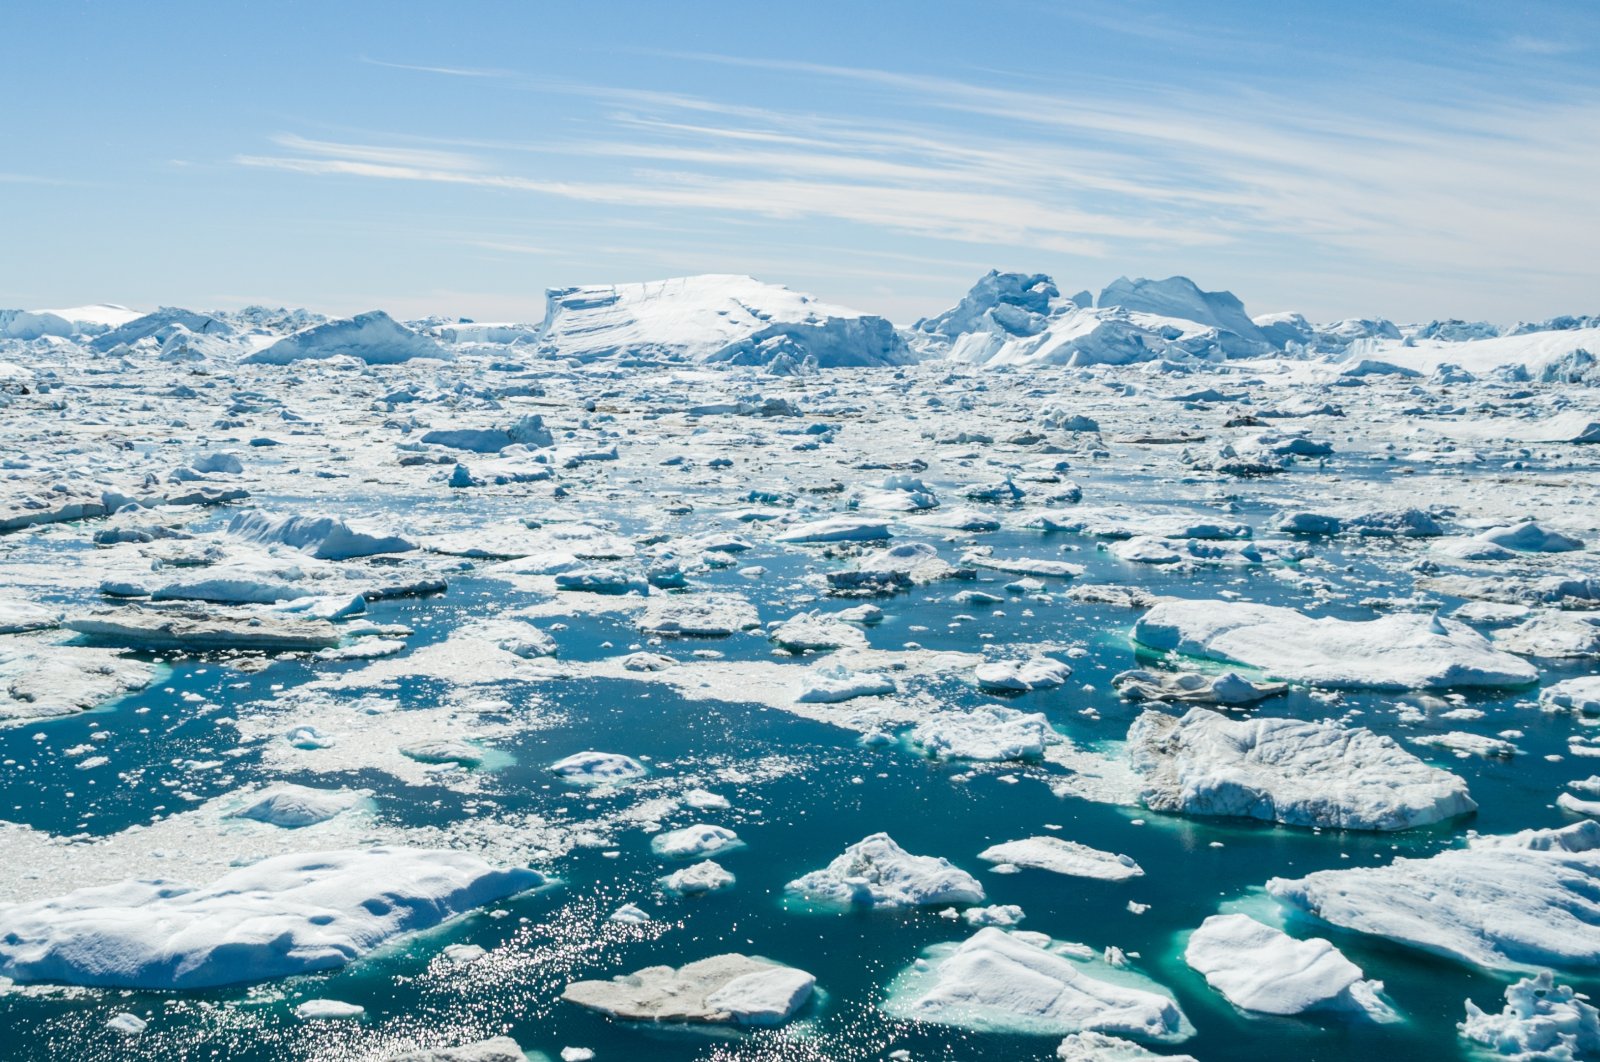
1395,652
717,318
373,337
1504,902
290,914
1025,983
1262,969
1289,771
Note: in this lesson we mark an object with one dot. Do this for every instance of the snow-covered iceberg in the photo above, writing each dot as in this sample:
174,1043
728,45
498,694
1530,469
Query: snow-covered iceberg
1287,770
290,914
1399,651
713,319
373,337
998,981
323,537
727,989
876,872
1262,969
1503,902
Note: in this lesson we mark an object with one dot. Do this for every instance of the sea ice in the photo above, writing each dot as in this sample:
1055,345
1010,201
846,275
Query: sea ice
727,989
1401,651
1263,969
285,915
1062,857
876,872
1289,771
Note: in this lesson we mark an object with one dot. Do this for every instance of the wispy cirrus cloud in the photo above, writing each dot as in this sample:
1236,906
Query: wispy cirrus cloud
1452,188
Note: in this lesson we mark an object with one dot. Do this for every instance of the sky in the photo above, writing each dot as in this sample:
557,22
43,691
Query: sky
1408,159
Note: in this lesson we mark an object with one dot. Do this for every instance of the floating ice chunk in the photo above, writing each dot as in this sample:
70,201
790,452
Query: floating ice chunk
1403,651
1469,744
961,518
692,841
836,529
698,879
647,662
373,337
1553,635
286,915
292,806
127,1024
1193,687
1262,969
816,630
1000,914
463,954
1018,676
1063,857
323,537
724,989
876,872
219,462
443,751
831,684
1541,1022
1580,695
1401,523
17,617
530,431
328,1010
706,801
1529,537
598,768
41,679
497,1049
1007,982
1098,1047
629,914
1286,770
1503,902
1039,566
699,616
601,579
987,733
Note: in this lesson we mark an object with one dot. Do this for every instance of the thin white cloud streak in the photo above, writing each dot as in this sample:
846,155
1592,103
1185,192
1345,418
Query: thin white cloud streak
391,156
447,71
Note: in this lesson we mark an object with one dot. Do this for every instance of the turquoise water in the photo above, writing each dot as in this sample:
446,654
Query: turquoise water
815,789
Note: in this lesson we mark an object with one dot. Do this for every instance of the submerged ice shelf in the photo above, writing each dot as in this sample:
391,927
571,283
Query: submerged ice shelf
1080,674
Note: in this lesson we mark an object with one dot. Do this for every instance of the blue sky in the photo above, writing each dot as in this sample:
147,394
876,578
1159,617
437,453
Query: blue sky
1408,159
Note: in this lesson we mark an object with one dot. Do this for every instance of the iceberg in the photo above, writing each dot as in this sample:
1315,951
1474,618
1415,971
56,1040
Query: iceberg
876,872
323,537
1062,857
1398,652
1262,969
999,981
1503,902
1541,1021
1289,771
290,914
729,989
373,337
713,319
